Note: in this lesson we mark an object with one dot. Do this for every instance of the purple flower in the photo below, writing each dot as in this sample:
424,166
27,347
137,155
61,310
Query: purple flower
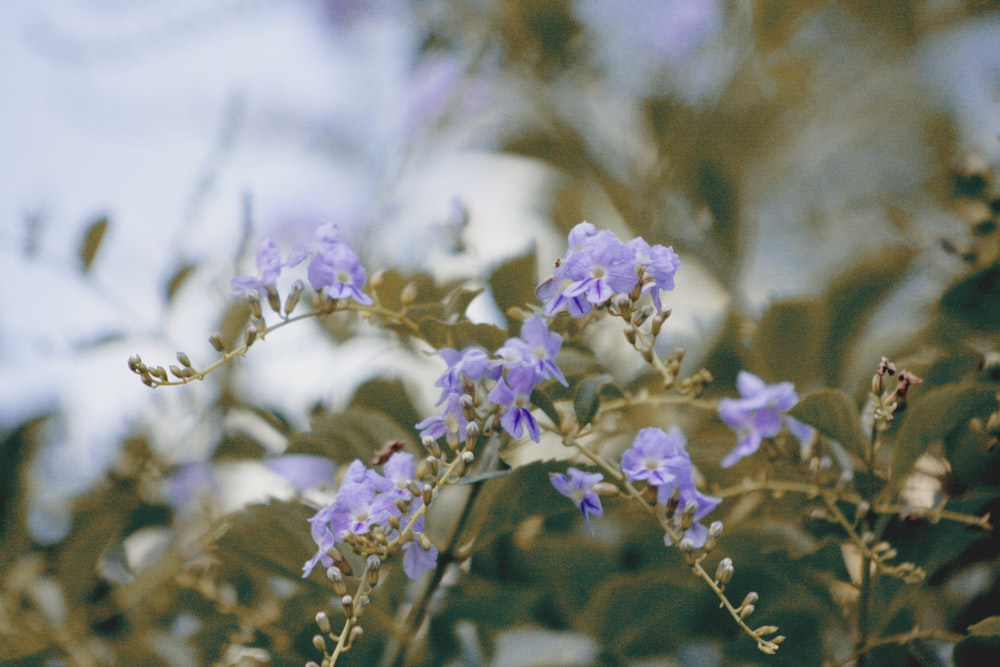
660,459
452,421
471,364
595,267
269,266
416,559
537,347
660,264
514,392
759,414
334,265
399,472
578,486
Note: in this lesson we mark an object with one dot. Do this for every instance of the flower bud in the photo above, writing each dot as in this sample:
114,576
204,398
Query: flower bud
347,603
765,630
427,494
425,542
468,407
250,335
431,445
724,571
687,549
216,340
714,532
183,360
640,316
319,642
751,598
629,332
273,298
687,515
323,621
408,295
134,362
746,611
293,296
374,567
467,459
336,577
658,321
356,633
253,300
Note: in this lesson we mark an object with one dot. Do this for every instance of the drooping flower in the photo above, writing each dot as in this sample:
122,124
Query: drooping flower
578,486
514,392
759,414
333,266
452,422
269,266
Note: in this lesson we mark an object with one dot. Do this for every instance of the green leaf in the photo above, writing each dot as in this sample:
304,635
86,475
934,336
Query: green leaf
513,282
929,418
790,343
587,397
543,402
91,242
975,301
355,434
503,503
988,627
835,415
458,300
287,544
461,334
389,397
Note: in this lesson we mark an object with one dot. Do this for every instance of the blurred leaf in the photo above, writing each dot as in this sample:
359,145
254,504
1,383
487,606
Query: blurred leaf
388,397
461,334
975,301
835,415
853,295
457,301
274,537
541,400
587,399
91,242
929,418
177,280
513,282
354,434
503,503
988,627
790,343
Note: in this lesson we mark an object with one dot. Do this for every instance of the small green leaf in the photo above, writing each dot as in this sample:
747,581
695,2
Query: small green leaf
835,415
513,283
503,503
177,280
461,334
388,397
355,434
542,401
286,547
91,242
587,398
931,417
988,627
790,343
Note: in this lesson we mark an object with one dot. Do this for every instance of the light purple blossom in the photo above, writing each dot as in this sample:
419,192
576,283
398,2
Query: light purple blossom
269,266
759,414
452,421
578,486
514,392
660,264
333,266
470,364
399,472
303,470
536,347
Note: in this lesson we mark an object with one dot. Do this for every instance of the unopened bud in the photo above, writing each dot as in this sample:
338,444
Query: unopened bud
687,514
640,316
183,360
409,294
356,633
467,459
425,542
606,489
377,280
250,335
177,371
468,407
779,639
347,604
751,598
374,567
431,445
765,630
319,642
724,571
687,549
134,362
746,611
336,577
432,466
293,296
427,494
323,621
273,298
253,300
160,373
714,532
471,433
216,342
658,321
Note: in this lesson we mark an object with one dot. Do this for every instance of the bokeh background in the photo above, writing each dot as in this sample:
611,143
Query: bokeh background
146,147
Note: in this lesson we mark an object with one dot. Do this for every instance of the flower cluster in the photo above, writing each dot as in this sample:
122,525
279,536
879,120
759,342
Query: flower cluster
759,414
597,266
334,268
506,382
371,511
660,459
